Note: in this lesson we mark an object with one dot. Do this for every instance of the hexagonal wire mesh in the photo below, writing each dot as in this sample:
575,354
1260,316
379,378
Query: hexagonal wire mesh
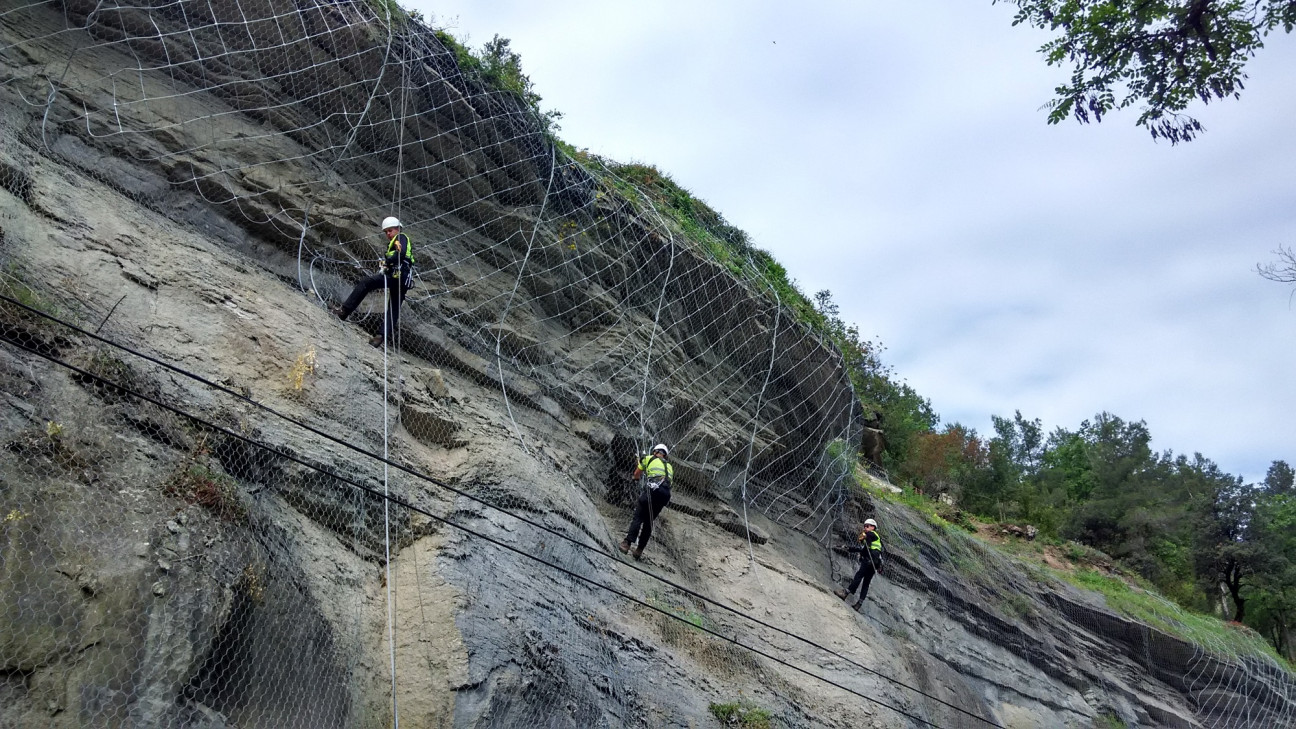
220,562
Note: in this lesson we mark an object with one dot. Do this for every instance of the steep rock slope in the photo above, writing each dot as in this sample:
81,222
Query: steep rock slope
176,555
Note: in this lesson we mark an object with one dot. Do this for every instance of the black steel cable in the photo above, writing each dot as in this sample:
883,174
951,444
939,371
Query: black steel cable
459,492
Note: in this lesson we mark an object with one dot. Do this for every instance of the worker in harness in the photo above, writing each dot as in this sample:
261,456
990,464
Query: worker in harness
870,552
657,473
396,276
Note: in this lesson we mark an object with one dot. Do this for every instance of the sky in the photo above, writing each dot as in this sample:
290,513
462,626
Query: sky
897,155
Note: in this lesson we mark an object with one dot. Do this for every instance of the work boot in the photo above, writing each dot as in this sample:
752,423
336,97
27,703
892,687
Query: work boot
841,593
336,310
376,341
858,605
637,552
624,546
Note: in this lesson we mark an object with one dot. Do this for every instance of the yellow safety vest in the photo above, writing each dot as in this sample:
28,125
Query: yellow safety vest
409,252
876,546
656,469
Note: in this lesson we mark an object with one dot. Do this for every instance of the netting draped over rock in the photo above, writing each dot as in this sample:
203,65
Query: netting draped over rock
310,122
222,508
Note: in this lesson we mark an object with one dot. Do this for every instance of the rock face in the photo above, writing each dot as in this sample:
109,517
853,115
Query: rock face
214,529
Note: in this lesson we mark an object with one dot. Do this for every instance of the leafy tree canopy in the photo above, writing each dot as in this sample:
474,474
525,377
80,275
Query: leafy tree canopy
1163,54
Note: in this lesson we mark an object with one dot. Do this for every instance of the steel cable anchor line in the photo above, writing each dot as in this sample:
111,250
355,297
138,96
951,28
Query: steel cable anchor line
478,500
85,374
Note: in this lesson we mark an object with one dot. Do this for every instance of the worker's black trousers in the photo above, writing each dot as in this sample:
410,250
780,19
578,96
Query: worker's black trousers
641,525
862,579
373,283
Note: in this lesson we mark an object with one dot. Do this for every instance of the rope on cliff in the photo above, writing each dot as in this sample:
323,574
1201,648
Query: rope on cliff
760,398
393,297
499,332
373,92
391,600
644,443
591,548
86,375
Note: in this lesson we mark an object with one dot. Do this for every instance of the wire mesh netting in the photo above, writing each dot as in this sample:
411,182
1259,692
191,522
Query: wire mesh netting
234,625
222,507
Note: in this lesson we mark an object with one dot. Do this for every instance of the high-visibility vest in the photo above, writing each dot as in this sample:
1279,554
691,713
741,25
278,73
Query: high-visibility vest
656,469
409,252
876,545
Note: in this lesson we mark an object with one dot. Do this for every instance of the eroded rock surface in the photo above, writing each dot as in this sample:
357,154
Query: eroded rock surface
244,569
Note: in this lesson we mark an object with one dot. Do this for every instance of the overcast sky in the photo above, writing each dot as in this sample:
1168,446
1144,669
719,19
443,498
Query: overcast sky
896,154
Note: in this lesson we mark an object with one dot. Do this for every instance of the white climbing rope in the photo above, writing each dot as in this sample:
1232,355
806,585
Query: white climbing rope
388,302
499,331
751,443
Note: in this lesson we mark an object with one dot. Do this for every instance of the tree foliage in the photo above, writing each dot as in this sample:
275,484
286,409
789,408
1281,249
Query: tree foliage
1163,54
941,462
1202,536
903,414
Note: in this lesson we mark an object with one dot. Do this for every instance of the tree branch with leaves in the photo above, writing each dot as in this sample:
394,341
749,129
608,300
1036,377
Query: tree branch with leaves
1164,54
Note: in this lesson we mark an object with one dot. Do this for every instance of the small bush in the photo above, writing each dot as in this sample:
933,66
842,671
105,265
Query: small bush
743,715
305,365
22,326
197,483
108,377
1019,604
47,444
210,489
1108,720
898,632
252,582
955,516
685,612
12,286
498,66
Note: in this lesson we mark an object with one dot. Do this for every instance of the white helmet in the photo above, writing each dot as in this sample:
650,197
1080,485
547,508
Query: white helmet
390,222
661,447
870,522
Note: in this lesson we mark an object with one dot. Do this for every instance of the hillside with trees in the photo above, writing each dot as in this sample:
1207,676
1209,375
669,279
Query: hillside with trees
1203,537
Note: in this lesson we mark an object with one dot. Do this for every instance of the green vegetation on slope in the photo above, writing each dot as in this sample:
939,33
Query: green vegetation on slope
1048,558
499,67
742,715
1125,595
708,230
884,398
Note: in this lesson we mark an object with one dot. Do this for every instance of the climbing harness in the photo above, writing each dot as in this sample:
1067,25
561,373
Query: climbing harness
655,479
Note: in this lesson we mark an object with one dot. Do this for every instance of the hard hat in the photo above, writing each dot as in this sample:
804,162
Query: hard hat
870,522
661,447
390,222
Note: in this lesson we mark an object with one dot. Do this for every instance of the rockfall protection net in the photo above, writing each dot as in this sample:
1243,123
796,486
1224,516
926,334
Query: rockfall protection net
313,121
427,534
184,479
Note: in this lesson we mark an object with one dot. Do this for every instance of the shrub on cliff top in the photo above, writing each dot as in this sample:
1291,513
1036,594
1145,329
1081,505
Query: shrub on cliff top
498,66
